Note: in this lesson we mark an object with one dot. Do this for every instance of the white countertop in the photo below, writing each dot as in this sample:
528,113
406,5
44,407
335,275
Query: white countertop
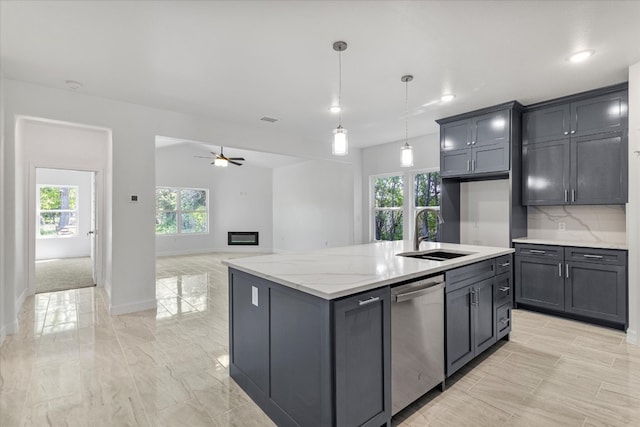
338,272
579,244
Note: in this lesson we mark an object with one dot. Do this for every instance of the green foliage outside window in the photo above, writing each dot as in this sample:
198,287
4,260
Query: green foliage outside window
58,210
388,202
427,193
181,211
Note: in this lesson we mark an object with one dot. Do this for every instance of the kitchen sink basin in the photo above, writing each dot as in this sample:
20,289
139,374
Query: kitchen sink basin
435,255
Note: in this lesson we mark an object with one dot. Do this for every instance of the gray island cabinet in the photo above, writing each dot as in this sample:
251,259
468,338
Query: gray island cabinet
310,334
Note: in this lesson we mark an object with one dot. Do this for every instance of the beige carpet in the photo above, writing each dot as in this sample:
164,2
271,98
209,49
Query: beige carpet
62,274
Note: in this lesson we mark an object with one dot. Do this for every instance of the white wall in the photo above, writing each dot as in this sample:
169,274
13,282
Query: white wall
313,206
385,159
78,245
484,213
240,199
633,207
7,297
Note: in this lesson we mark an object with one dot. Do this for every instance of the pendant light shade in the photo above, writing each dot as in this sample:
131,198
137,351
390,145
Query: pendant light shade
340,145
406,153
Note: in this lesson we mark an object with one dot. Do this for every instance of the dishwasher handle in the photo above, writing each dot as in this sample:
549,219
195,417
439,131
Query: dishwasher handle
418,292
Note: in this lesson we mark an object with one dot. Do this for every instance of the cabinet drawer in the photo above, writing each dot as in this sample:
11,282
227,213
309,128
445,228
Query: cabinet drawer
503,321
601,256
541,251
503,264
503,289
469,274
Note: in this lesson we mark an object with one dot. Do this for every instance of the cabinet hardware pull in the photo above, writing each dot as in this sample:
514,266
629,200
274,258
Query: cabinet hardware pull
566,196
504,321
368,301
474,297
473,143
473,165
468,143
593,256
469,165
573,194
559,269
506,264
567,270
572,132
505,288
566,132
537,251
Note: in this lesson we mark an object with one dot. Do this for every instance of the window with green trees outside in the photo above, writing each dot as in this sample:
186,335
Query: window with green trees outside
181,211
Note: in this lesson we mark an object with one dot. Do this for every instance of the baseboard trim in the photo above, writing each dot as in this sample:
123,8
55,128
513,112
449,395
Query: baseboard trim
632,336
115,310
255,249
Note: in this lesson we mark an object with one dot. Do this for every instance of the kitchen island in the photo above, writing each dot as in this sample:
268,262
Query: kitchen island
310,332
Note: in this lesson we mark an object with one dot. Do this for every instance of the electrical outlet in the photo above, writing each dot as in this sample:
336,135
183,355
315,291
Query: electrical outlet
562,226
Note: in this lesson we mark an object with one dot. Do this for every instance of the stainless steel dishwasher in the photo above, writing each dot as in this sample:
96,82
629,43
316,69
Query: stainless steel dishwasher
417,340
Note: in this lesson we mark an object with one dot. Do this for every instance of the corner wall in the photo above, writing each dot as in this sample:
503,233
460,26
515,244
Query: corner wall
7,314
633,207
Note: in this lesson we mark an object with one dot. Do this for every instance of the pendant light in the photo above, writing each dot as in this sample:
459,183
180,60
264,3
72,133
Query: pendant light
340,145
406,157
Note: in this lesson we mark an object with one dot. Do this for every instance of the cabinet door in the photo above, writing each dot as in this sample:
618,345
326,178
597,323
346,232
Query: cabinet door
599,169
363,359
249,327
546,124
455,163
597,291
490,158
459,325
490,129
601,114
546,173
540,282
503,321
455,135
484,317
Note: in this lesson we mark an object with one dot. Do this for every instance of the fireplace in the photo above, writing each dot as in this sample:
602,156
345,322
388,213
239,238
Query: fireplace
242,238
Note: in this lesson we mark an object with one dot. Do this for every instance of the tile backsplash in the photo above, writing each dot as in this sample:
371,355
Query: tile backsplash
605,224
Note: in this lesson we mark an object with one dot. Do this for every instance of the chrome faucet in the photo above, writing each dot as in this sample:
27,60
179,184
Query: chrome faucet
419,239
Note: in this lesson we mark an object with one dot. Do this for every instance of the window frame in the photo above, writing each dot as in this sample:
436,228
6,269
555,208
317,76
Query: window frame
75,211
413,209
374,209
179,211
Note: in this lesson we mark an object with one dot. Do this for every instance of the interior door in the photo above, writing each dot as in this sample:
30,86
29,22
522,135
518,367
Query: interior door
93,229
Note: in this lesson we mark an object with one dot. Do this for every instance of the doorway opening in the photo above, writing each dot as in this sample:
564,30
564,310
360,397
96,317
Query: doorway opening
65,229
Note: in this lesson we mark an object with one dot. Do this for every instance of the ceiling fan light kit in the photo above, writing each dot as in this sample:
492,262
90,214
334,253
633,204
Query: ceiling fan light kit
222,161
340,145
406,152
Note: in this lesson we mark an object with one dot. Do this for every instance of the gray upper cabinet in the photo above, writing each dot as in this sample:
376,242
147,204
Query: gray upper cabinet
477,143
575,149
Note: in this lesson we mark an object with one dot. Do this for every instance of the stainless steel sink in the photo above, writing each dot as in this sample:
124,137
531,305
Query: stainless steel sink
435,254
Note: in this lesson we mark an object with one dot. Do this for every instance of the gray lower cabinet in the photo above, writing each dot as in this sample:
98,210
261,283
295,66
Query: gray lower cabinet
587,283
307,361
473,302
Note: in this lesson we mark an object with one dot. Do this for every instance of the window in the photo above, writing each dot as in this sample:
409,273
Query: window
57,210
388,196
181,211
426,191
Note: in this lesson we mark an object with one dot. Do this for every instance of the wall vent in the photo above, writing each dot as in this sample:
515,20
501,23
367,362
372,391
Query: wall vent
269,119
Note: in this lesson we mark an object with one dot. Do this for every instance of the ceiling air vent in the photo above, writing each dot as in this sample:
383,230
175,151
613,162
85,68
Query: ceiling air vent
269,119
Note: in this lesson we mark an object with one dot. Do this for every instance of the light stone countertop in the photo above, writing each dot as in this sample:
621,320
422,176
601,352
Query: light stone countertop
579,244
338,272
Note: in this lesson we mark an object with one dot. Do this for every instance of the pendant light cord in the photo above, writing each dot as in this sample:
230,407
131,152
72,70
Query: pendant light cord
340,88
406,108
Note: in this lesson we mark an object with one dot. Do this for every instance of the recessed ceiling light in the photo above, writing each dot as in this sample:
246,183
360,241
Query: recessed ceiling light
335,109
447,97
73,84
581,56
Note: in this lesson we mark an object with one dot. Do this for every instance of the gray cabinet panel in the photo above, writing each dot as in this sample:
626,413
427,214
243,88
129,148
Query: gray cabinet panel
296,353
490,158
363,359
503,321
601,256
490,129
455,163
455,135
469,274
250,333
546,173
599,169
605,113
540,282
503,289
484,322
459,323
546,124
597,291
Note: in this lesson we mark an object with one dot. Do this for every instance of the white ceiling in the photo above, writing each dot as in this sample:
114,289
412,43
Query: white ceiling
240,60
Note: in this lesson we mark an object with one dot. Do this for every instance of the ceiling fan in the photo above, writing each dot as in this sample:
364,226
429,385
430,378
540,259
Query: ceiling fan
221,160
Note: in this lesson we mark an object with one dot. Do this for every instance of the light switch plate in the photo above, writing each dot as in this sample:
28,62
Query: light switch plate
254,296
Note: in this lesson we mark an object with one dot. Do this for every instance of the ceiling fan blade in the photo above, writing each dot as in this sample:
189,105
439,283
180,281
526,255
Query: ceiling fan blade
236,158
235,163
203,157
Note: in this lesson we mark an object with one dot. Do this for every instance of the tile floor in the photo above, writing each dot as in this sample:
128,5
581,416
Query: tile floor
73,364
